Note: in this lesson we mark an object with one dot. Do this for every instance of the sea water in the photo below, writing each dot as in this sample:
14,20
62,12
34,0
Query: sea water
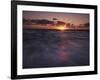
52,48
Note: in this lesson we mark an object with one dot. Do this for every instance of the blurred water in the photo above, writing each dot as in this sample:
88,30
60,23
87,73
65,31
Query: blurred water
45,48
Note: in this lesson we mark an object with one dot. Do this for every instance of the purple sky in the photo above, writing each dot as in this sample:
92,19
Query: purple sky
74,18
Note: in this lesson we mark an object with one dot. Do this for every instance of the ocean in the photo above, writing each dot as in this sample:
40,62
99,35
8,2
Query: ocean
52,48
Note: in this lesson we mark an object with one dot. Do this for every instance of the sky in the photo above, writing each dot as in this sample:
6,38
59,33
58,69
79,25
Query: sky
73,18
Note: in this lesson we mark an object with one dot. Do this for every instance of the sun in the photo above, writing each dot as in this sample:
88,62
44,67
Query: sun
61,28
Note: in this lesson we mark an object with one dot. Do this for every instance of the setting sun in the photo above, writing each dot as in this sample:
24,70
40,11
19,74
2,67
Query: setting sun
62,28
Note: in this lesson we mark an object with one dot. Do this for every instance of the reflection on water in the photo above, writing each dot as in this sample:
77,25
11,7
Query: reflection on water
43,48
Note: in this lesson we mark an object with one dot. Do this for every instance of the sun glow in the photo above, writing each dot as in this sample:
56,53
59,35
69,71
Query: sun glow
62,28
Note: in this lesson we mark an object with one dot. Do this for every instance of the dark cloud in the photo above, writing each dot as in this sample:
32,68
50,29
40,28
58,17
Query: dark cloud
42,21
55,19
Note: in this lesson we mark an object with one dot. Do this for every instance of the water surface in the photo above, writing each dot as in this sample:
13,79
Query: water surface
51,48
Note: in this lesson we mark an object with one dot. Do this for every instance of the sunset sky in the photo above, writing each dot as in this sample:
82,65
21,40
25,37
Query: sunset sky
73,18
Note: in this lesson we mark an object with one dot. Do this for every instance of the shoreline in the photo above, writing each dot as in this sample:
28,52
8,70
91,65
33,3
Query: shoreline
55,30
